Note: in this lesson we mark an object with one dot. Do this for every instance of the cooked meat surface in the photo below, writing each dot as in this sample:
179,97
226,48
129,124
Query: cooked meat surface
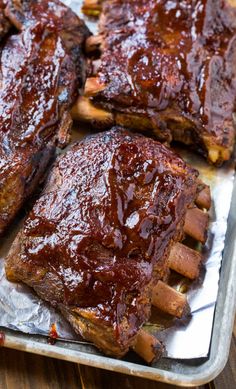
98,238
170,67
39,82
56,16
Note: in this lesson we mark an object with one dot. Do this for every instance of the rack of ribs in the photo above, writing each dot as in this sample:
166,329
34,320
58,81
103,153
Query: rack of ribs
166,68
100,240
41,71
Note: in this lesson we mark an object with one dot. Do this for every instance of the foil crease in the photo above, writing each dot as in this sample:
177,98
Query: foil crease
22,310
191,339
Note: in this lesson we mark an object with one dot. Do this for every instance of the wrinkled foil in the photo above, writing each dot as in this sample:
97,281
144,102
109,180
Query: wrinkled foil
22,310
191,339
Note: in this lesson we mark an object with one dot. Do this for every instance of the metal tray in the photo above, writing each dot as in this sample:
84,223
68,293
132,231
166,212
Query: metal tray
179,372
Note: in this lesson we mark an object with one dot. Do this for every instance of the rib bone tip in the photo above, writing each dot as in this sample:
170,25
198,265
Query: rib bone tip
185,261
148,347
169,300
196,224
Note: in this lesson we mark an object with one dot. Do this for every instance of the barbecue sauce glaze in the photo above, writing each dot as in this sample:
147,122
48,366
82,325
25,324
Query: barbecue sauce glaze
162,54
107,216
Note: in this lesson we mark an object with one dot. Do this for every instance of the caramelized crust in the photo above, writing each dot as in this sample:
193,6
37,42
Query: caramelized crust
39,82
57,17
98,238
170,67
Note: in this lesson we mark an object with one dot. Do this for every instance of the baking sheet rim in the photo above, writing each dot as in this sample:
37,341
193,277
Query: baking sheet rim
220,343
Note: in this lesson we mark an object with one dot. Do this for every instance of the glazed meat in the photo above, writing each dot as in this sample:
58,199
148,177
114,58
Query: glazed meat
56,17
39,81
98,238
168,67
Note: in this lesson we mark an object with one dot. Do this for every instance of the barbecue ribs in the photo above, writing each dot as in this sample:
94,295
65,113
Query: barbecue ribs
97,241
166,66
57,17
41,72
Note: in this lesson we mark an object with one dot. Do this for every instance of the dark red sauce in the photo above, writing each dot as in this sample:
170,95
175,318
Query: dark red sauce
106,218
30,107
163,54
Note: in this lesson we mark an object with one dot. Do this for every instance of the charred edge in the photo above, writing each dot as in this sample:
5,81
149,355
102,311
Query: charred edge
148,347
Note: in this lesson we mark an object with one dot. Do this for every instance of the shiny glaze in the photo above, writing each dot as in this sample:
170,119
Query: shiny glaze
106,218
162,54
42,81
52,13
33,94
55,16
41,71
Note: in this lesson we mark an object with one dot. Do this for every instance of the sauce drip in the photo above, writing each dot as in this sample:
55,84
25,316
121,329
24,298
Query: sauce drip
30,105
106,218
163,54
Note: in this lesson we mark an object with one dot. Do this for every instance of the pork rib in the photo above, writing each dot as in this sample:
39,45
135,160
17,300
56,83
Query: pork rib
56,16
169,68
98,239
39,82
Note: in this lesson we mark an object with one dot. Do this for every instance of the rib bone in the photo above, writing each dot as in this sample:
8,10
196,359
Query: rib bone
91,7
196,224
185,261
84,110
90,113
148,347
94,43
203,199
169,300
93,86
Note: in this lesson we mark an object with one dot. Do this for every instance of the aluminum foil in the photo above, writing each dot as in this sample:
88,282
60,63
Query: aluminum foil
191,339
22,310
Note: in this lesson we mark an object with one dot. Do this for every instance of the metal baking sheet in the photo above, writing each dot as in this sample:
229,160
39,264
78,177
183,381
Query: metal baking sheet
21,310
184,372
179,372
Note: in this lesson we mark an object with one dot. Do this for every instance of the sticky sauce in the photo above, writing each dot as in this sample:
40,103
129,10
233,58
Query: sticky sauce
102,230
42,82
166,54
